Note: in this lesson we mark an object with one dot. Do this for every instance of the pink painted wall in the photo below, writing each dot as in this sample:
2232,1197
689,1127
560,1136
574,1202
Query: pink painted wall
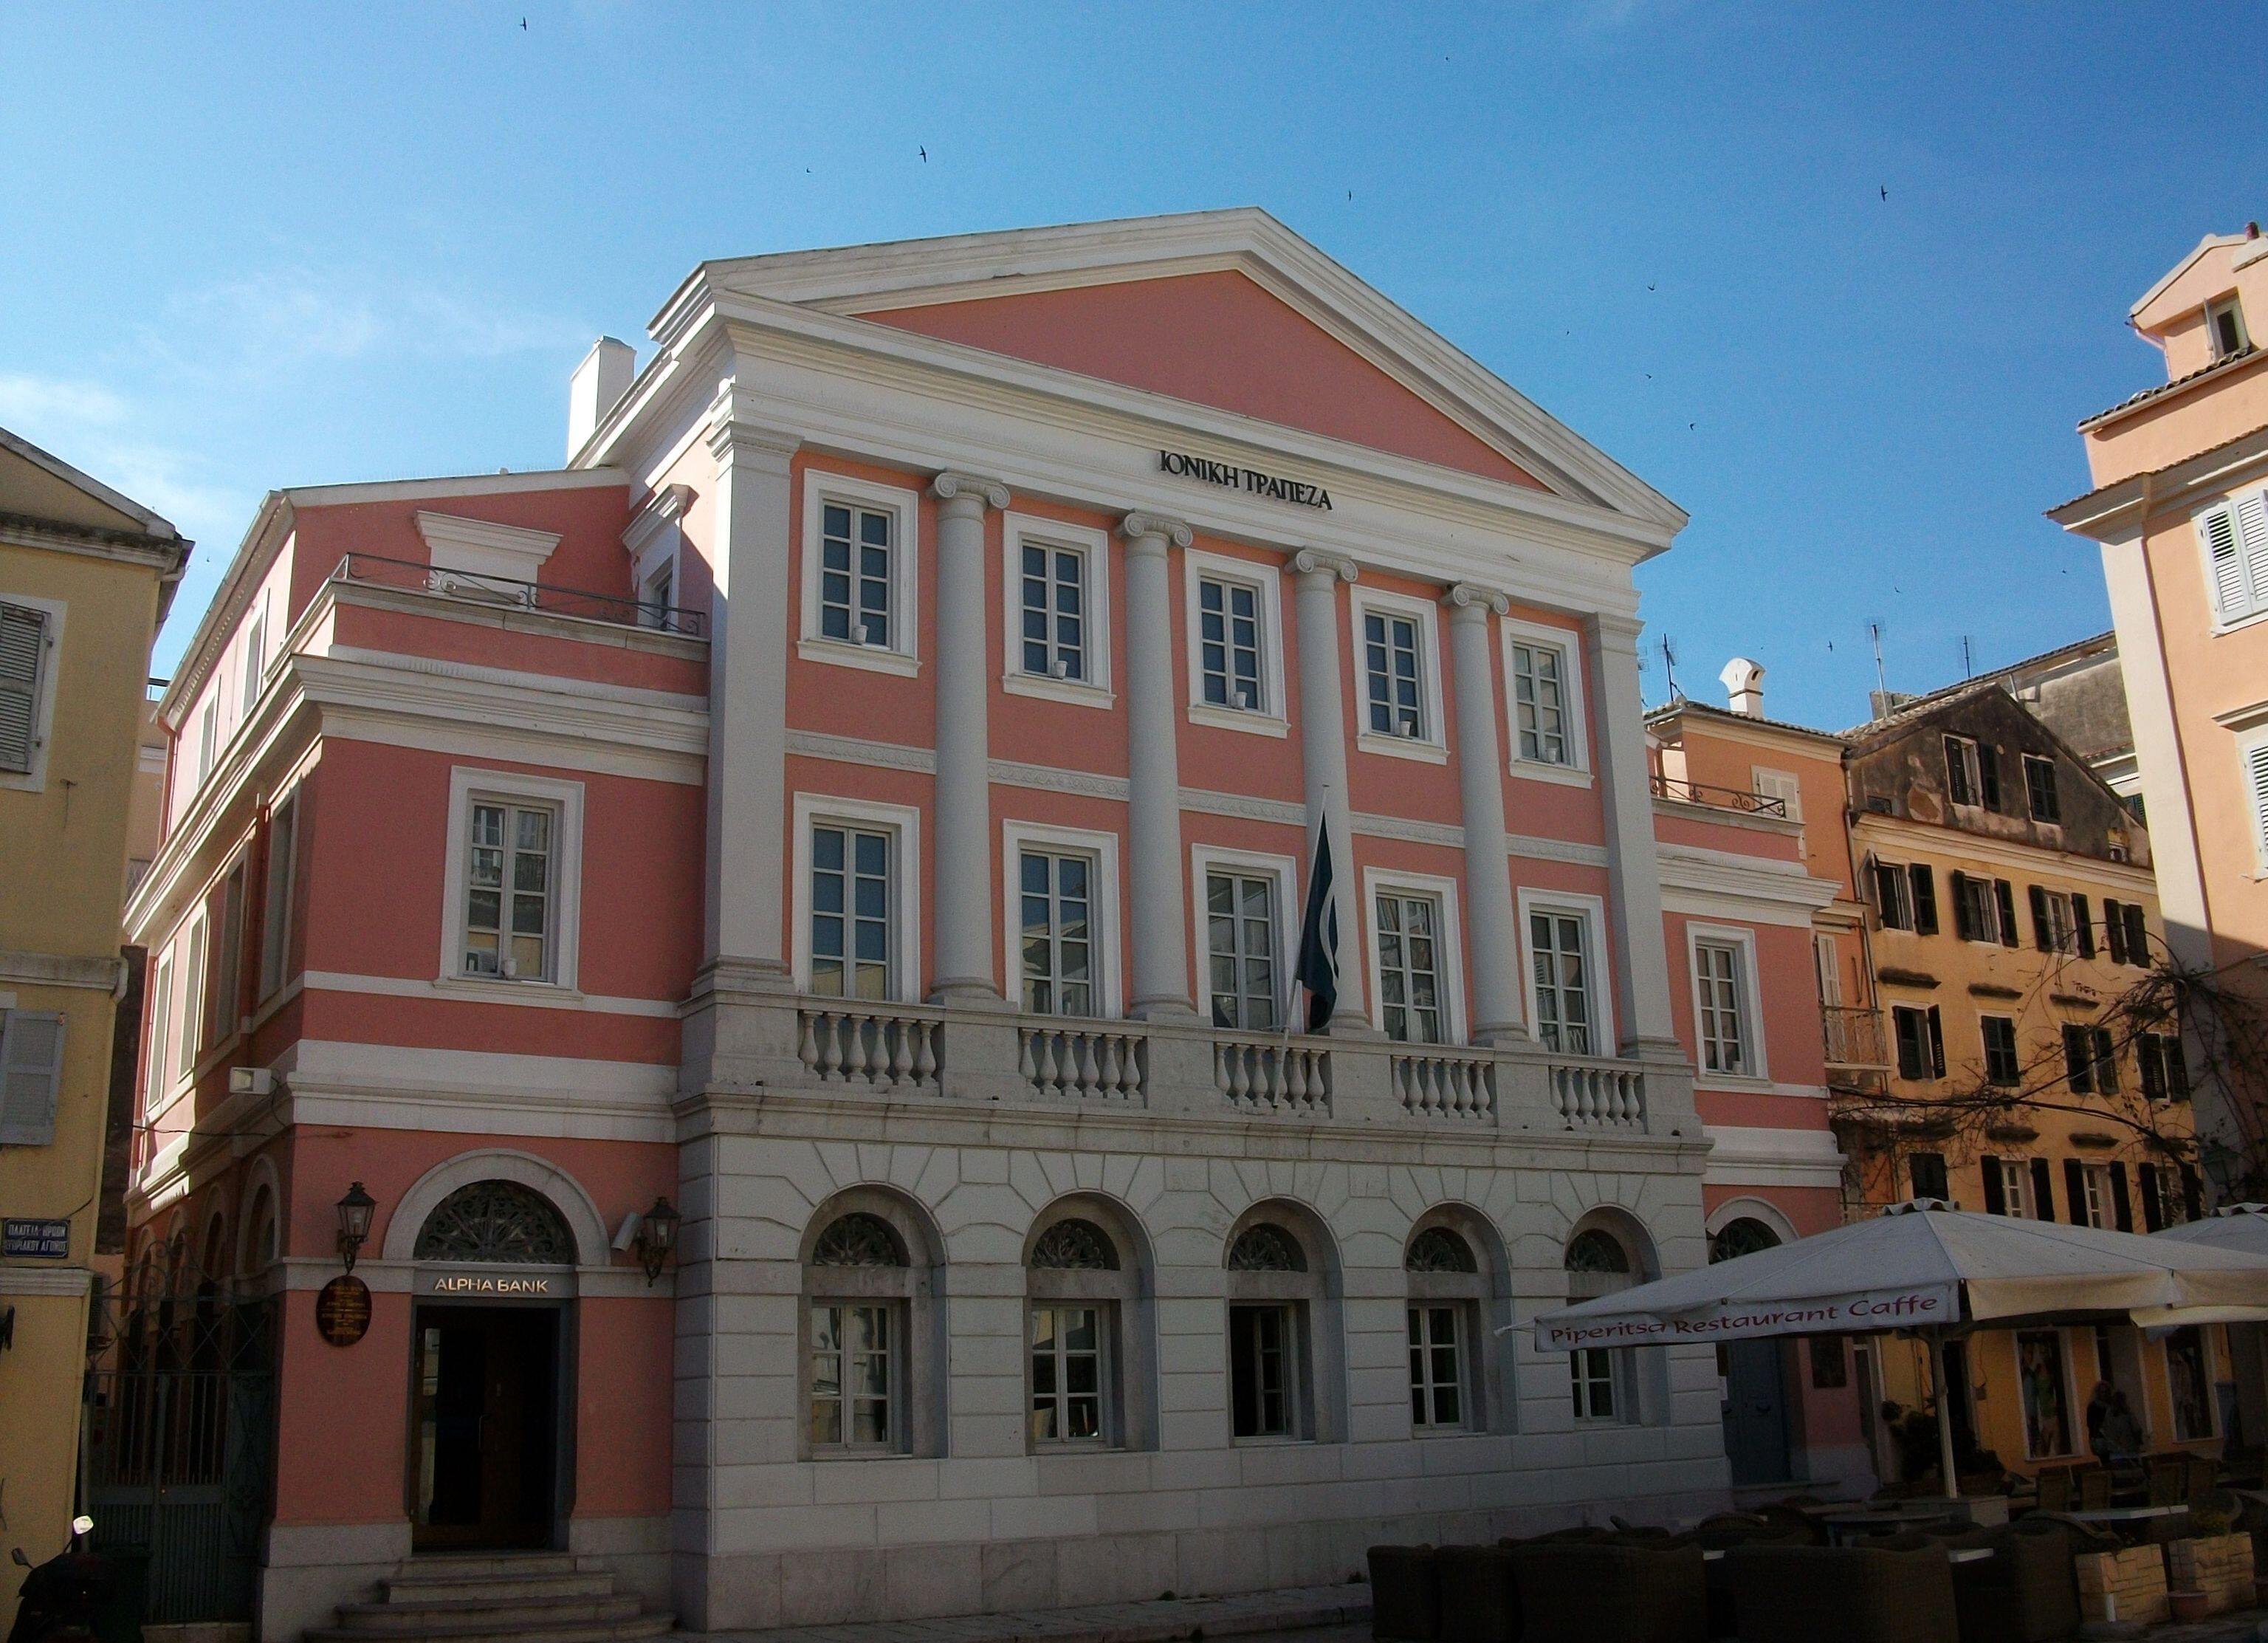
1216,339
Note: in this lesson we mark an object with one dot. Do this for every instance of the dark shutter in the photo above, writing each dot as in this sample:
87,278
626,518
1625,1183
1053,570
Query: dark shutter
1988,773
1936,1044
2042,1190
2137,934
2149,1060
1957,773
2114,931
2043,938
2075,1191
2078,1066
2177,1066
1996,1203
2004,893
2192,1195
1905,1026
1885,895
2081,921
2122,1207
1926,1172
1963,925
1925,899
2106,1062
2154,1198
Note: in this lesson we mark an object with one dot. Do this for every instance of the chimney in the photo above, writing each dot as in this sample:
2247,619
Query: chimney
1744,684
596,388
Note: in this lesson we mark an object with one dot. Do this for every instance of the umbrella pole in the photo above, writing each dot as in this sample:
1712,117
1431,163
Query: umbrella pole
1945,1393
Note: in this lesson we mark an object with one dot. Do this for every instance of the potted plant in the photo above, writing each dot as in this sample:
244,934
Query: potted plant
2187,1604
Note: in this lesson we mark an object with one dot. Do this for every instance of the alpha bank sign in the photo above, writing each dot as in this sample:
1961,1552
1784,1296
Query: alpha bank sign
1209,471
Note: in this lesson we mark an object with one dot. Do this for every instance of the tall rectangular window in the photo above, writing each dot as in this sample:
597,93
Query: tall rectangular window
2165,1074
1592,1372
1409,967
227,996
509,889
2001,1065
1961,776
1717,986
1539,699
1893,896
160,1069
2189,1384
852,1347
1055,636
193,1002
1229,645
658,594
1920,1042
1260,1368
1926,1173
2095,1207
275,895
1392,682
855,573
255,661
2224,323
1558,949
2040,789
208,735
2079,1060
1057,891
852,909
1240,948
2014,1176
1437,1399
1067,1391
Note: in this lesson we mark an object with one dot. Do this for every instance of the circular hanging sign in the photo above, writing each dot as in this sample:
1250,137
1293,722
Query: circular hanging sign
342,1311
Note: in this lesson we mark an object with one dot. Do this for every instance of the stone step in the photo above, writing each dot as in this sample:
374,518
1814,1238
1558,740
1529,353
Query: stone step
630,1630
484,1610
446,1563
429,1588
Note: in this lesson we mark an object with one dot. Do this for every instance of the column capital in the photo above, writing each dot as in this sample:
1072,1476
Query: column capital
1138,524
1310,560
1470,597
1621,631
731,440
952,486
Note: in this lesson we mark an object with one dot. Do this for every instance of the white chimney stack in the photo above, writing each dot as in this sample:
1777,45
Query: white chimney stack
1744,684
596,388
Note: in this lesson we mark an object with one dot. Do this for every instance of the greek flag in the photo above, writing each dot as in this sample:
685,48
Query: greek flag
1318,966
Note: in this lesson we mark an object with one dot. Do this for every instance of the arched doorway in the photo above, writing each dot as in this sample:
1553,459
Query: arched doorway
496,1260
1752,1375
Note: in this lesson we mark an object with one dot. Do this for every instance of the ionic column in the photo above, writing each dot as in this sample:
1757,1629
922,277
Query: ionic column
1322,751
962,968
743,924
1161,961
1491,927
1641,956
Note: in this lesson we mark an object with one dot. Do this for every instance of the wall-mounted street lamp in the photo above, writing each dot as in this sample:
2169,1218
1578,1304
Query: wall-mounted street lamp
657,1236
354,1222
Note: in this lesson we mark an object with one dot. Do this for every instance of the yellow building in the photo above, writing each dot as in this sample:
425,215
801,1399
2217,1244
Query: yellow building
85,576
2012,918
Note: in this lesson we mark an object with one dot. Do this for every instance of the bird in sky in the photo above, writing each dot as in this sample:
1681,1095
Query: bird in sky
924,154
1886,191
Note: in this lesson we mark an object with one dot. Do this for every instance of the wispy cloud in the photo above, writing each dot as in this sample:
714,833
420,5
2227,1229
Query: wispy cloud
25,401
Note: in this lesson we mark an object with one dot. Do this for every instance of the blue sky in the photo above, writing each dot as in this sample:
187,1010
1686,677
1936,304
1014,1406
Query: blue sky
253,247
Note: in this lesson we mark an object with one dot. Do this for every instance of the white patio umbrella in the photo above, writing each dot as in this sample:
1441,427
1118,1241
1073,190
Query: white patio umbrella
1938,1272
2233,1226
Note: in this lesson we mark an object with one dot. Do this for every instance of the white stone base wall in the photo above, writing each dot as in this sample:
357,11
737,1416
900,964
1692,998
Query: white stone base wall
769,1533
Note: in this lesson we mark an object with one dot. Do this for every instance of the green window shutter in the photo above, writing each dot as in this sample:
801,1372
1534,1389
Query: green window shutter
31,1071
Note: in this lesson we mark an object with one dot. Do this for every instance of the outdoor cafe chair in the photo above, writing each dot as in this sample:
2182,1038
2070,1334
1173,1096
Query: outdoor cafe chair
2204,1477
1899,1590
2094,1488
2168,1481
1405,1603
2055,1489
1615,1590
2026,1592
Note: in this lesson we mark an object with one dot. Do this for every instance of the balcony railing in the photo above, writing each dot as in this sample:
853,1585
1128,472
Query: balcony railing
1719,798
1854,1036
509,593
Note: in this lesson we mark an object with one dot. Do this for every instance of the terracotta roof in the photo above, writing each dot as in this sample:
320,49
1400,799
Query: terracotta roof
2151,473
1686,705
2224,363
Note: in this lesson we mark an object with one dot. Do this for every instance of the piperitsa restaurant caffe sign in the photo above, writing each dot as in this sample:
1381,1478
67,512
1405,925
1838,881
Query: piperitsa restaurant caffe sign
1208,471
1868,1310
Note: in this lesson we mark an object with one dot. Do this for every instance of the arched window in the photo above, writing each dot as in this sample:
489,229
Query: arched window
1745,1235
1086,1358
1447,1294
260,1235
491,1221
869,1337
1604,1378
1284,1352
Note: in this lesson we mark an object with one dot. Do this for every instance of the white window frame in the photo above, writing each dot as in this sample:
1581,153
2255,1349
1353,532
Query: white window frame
904,822
1270,718
654,537
2235,505
189,1008
279,884
209,732
253,661
1747,998
2233,305
2252,776
2016,1188
897,1362
2212,1401
1593,909
1971,773
903,655
44,685
1106,1389
1784,785
1424,1384
224,991
1286,871
1298,1419
1576,772
1103,943
1449,945
1430,747
468,783
158,1075
2095,1196
1018,531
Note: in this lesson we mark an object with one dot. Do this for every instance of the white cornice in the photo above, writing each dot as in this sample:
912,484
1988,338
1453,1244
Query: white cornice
60,969
1744,1156
1902,837
1713,883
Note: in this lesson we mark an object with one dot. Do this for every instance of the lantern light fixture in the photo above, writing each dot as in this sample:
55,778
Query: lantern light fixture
657,1236
354,1211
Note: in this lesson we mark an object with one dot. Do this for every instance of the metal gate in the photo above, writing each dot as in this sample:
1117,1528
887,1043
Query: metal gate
179,1439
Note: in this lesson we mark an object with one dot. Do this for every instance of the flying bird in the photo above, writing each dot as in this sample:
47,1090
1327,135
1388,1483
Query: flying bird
924,154
1886,191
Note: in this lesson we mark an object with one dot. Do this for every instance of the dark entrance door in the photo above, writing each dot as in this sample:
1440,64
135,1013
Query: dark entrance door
486,1430
1755,1412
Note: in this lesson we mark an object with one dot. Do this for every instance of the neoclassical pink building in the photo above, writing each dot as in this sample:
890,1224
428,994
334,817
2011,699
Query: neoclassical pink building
866,799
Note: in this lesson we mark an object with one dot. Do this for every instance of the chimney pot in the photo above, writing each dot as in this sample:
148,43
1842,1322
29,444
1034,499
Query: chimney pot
597,387
1744,686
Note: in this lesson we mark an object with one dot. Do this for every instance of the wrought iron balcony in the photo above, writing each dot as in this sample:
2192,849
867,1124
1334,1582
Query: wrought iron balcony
508,594
1719,798
1854,1036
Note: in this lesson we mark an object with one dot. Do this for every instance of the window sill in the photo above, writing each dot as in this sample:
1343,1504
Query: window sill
1402,747
2250,619
498,988
1563,775
1267,1443
1065,691
872,658
1251,721
862,1455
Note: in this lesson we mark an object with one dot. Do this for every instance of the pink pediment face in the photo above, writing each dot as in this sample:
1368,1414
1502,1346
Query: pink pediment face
1217,339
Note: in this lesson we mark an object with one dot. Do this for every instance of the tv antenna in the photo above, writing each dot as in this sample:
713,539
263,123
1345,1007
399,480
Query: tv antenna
1669,667
1875,632
1968,662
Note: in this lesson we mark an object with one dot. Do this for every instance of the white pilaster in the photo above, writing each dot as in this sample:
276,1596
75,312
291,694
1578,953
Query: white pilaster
963,969
1633,870
1491,927
1161,963
1323,750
